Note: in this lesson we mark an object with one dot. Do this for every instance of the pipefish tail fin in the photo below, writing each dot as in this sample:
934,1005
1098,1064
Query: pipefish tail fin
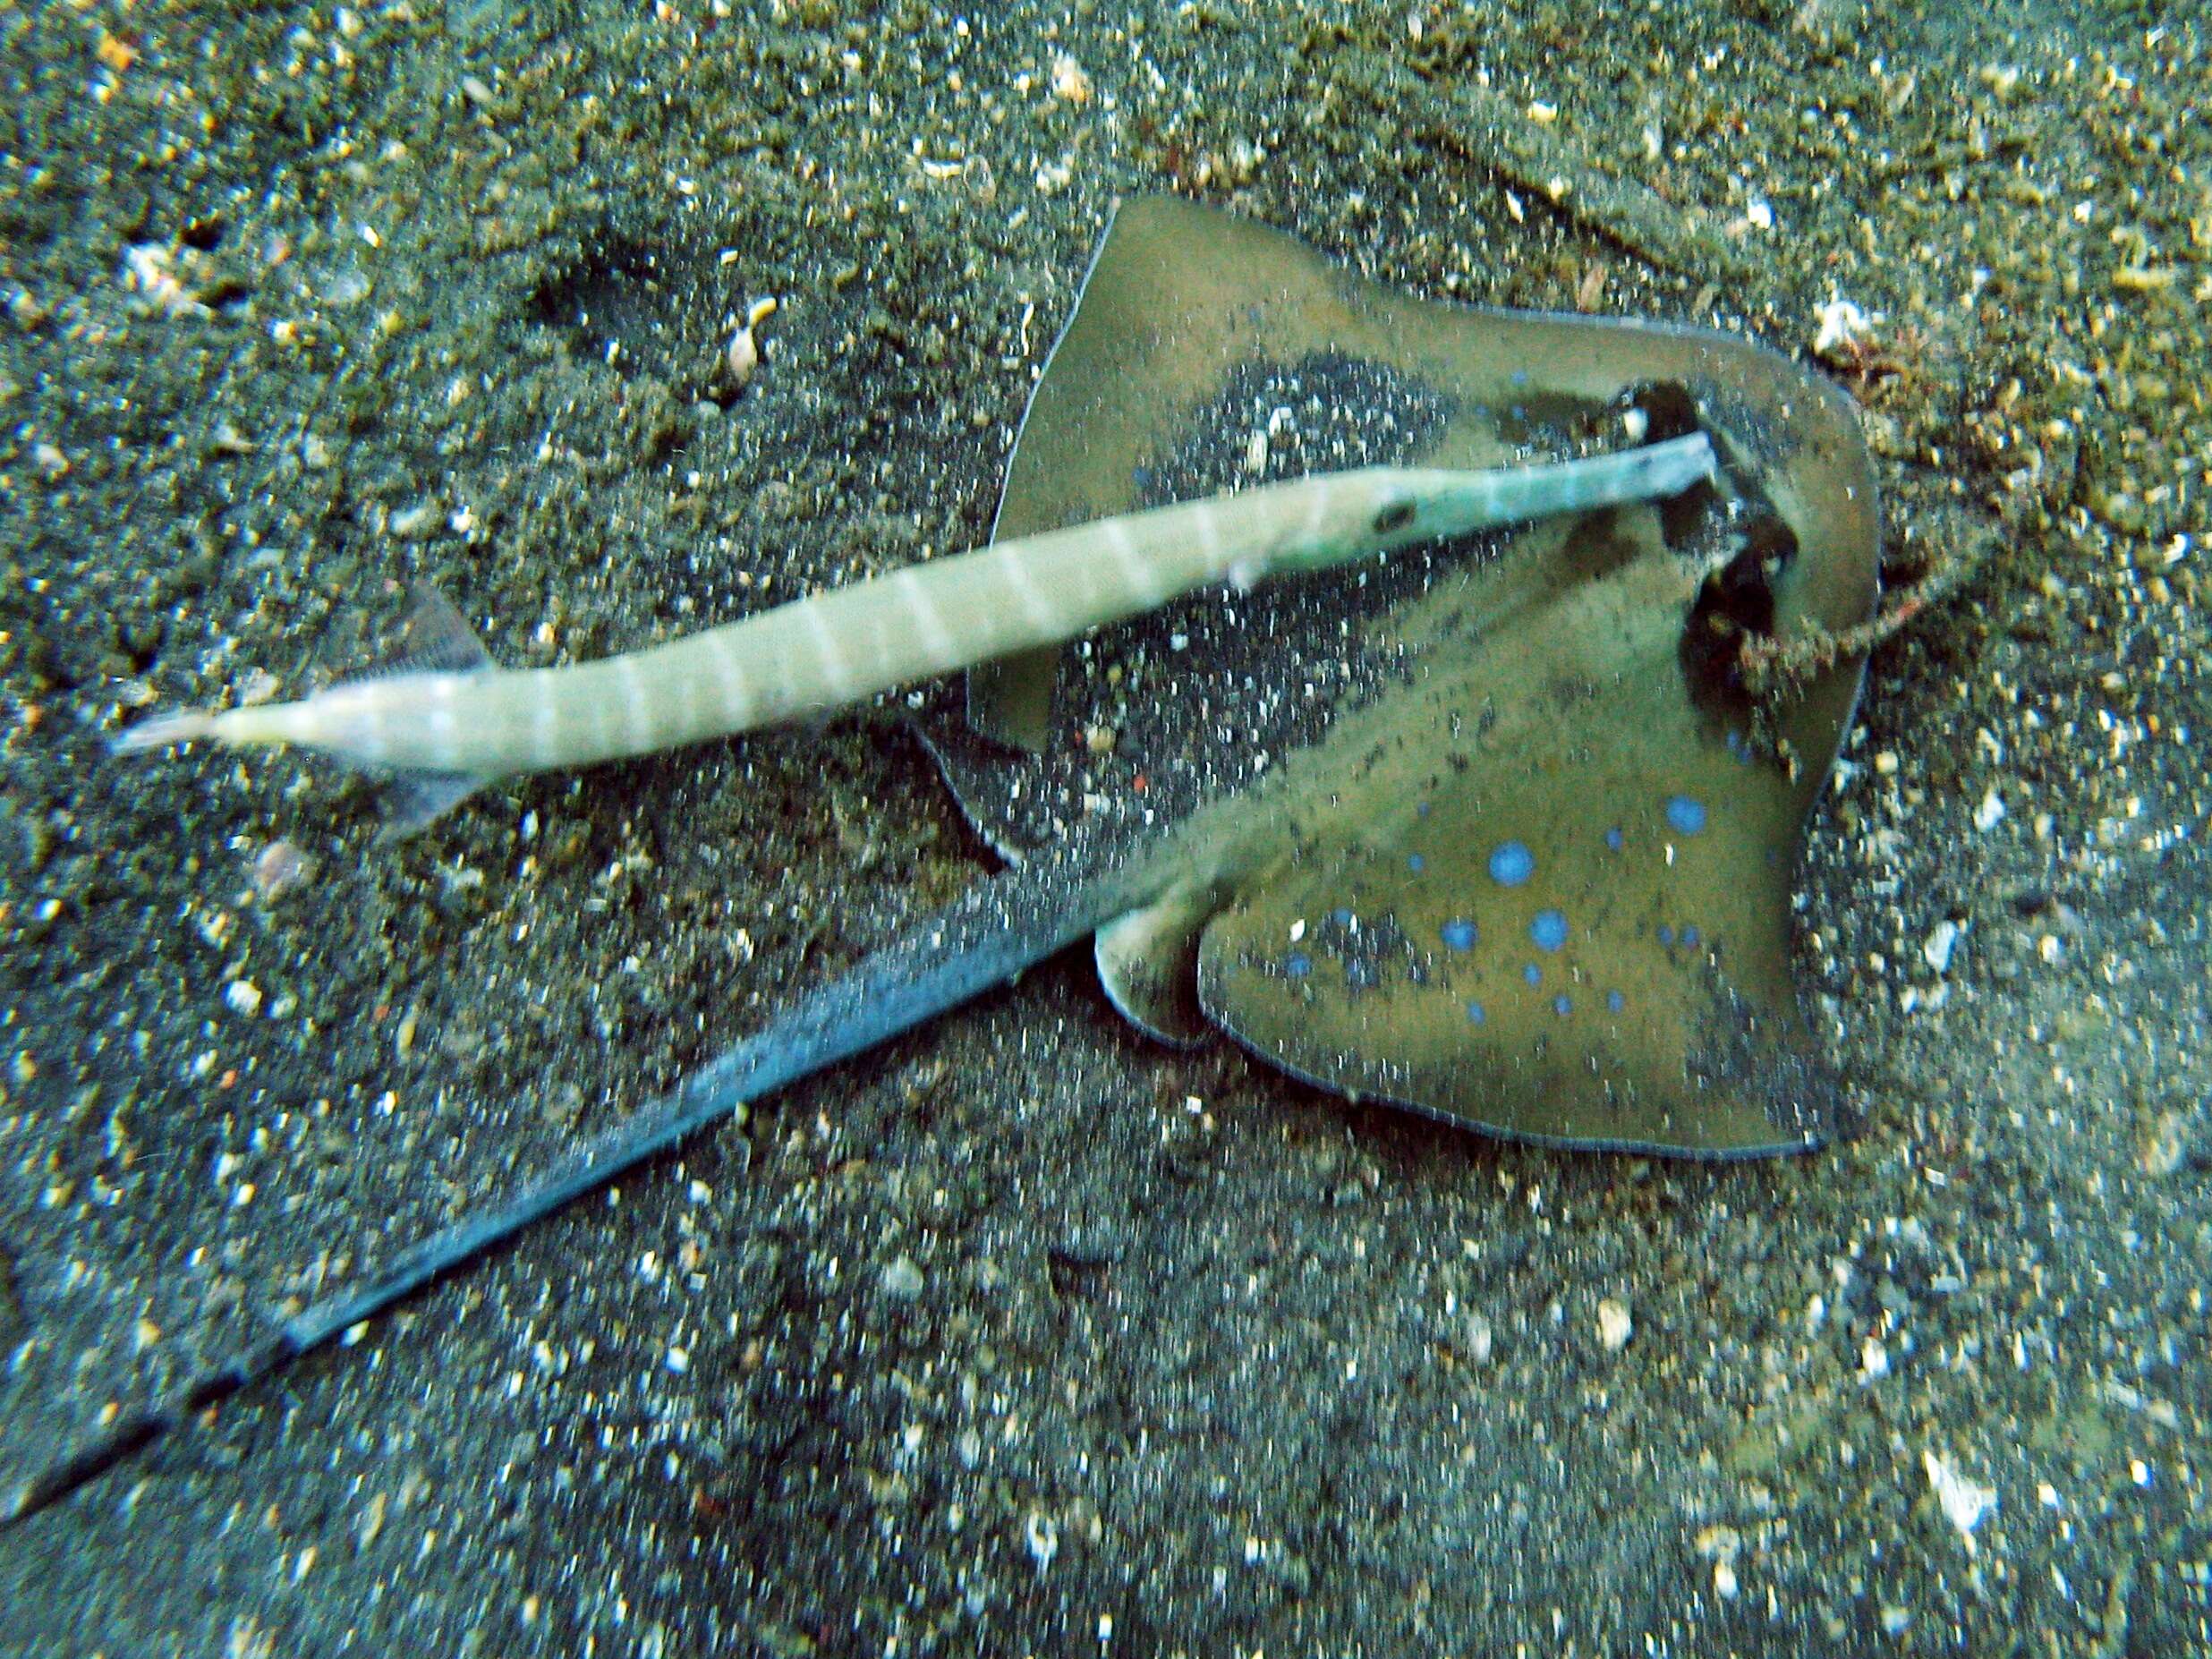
434,640
161,731
1001,926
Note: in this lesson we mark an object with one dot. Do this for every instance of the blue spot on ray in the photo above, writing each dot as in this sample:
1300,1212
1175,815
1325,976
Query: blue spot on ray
1511,863
1475,1014
1549,929
1562,1004
1459,934
1532,973
1689,936
1298,965
1667,934
1614,839
1416,863
1616,1001
1684,814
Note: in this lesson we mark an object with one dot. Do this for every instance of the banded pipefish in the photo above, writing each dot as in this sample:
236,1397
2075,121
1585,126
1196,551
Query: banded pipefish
447,721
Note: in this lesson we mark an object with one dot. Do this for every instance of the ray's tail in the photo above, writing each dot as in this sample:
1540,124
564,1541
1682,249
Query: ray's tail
1000,926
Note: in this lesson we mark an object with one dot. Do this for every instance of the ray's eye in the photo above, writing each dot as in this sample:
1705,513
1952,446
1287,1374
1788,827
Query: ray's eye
1395,516
1667,407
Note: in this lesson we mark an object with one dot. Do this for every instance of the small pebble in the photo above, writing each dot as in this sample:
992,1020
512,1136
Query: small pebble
415,520
280,867
1480,1339
1070,83
901,1280
1041,1535
1614,1326
2163,1146
1937,950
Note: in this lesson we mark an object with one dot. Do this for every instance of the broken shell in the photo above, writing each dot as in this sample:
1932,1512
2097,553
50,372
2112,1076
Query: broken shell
742,357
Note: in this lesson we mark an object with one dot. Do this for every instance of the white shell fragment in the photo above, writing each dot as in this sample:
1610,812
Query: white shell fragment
743,356
1964,1503
1040,1532
1842,325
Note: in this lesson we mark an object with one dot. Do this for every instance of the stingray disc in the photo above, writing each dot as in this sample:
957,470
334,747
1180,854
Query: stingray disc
1480,829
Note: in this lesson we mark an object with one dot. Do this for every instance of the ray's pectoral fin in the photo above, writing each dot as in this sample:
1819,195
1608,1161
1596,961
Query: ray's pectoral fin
1010,701
1609,1030
1148,962
1543,889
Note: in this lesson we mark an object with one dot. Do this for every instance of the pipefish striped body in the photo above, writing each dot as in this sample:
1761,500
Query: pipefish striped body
450,721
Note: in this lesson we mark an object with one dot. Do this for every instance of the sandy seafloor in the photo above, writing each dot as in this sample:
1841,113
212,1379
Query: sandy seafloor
996,1345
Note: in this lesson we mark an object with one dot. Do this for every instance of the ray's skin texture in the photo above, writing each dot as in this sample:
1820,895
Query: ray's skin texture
1510,858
